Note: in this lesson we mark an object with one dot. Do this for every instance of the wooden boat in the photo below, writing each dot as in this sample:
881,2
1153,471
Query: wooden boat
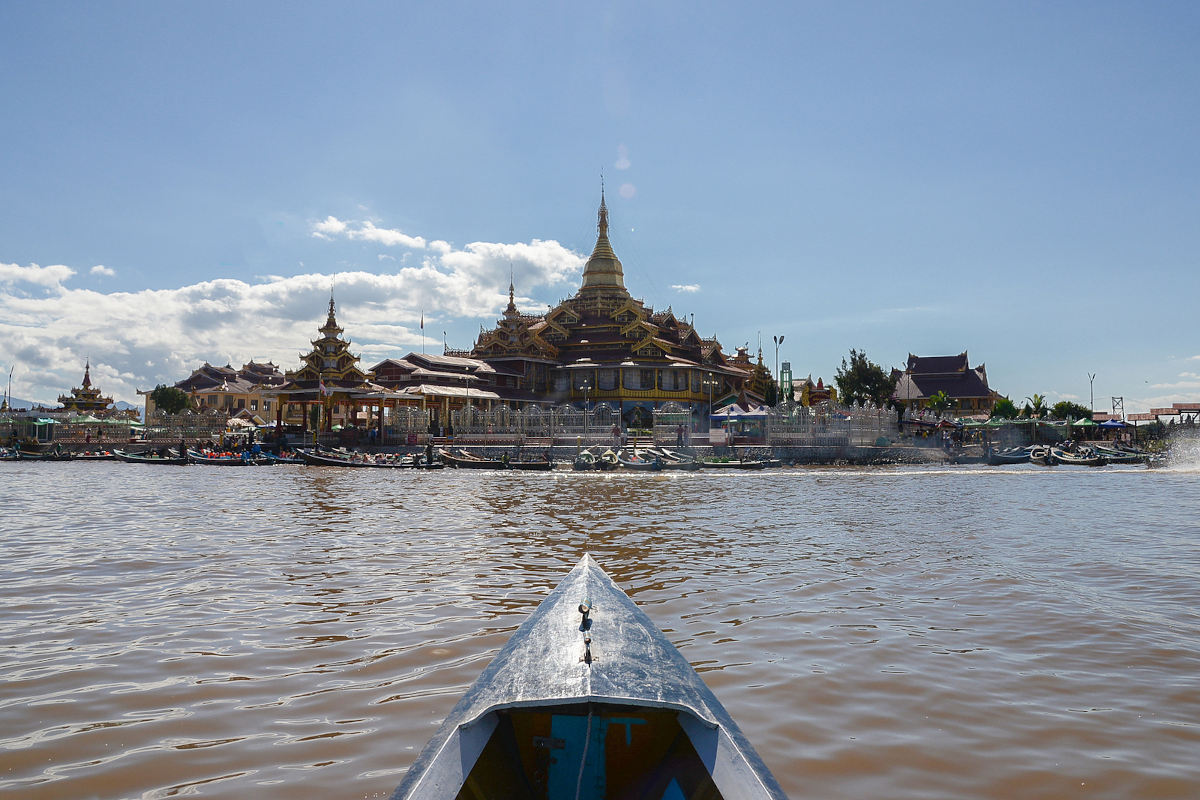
464,460
289,458
228,461
44,455
537,464
674,460
1114,456
1013,455
734,463
634,461
1041,455
330,459
589,699
584,460
95,455
1085,457
150,458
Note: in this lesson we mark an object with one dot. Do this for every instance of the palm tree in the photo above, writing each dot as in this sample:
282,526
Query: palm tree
1037,406
939,401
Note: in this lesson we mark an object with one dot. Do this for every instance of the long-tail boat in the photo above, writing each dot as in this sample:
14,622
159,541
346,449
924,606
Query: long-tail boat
331,459
151,457
464,460
589,699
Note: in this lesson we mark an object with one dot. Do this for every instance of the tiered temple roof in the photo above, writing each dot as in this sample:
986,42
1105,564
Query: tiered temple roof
601,327
85,399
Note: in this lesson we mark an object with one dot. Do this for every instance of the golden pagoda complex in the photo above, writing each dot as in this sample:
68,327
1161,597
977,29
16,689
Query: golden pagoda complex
87,400
603,346
329,380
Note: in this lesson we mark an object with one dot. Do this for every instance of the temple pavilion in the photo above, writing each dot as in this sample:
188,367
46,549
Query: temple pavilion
86,399
329,389
604,346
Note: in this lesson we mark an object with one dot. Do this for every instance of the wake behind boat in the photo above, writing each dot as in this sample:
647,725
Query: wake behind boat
589,700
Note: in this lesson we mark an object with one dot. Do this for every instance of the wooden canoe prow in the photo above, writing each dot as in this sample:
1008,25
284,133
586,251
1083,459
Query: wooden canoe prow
614,657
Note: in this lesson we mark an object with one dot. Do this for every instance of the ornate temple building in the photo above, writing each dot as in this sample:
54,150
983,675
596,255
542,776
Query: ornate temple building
244,392
329,380
925,376
85,399
603,346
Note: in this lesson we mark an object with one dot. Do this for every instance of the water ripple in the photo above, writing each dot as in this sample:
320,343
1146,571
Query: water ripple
908,632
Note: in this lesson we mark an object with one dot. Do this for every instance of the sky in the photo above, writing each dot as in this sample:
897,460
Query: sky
188,182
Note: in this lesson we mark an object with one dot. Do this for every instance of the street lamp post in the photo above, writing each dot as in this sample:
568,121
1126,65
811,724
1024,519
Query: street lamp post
778,388
586,395
709,382
1092,391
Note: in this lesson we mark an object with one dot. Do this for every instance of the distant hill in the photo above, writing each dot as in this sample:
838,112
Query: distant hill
17,404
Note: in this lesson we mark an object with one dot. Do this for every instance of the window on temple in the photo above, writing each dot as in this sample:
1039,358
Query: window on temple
647,379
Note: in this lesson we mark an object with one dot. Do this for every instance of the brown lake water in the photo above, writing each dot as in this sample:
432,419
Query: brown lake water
908,632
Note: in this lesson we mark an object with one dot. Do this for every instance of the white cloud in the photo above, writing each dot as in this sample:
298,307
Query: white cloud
627,190
689,288
137,340
333,228
52,277
102,270
328,228
385,236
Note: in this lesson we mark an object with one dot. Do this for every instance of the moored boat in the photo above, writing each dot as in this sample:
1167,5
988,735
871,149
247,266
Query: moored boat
589,699
635,461
329,458
243,460
734,463
1041,454
1117,456
283,458
1013,455
168,457
95,455
674,460
535,464
1085,457
464,460
50,454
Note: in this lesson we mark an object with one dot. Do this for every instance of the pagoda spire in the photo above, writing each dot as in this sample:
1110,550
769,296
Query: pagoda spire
87,373
331,329
603,271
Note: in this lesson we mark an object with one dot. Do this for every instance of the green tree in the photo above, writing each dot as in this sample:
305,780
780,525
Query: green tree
939,401
771,397
860,380
1065,409
169,399
1004,409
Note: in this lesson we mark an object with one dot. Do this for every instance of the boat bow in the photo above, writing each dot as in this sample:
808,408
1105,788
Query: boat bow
588,643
